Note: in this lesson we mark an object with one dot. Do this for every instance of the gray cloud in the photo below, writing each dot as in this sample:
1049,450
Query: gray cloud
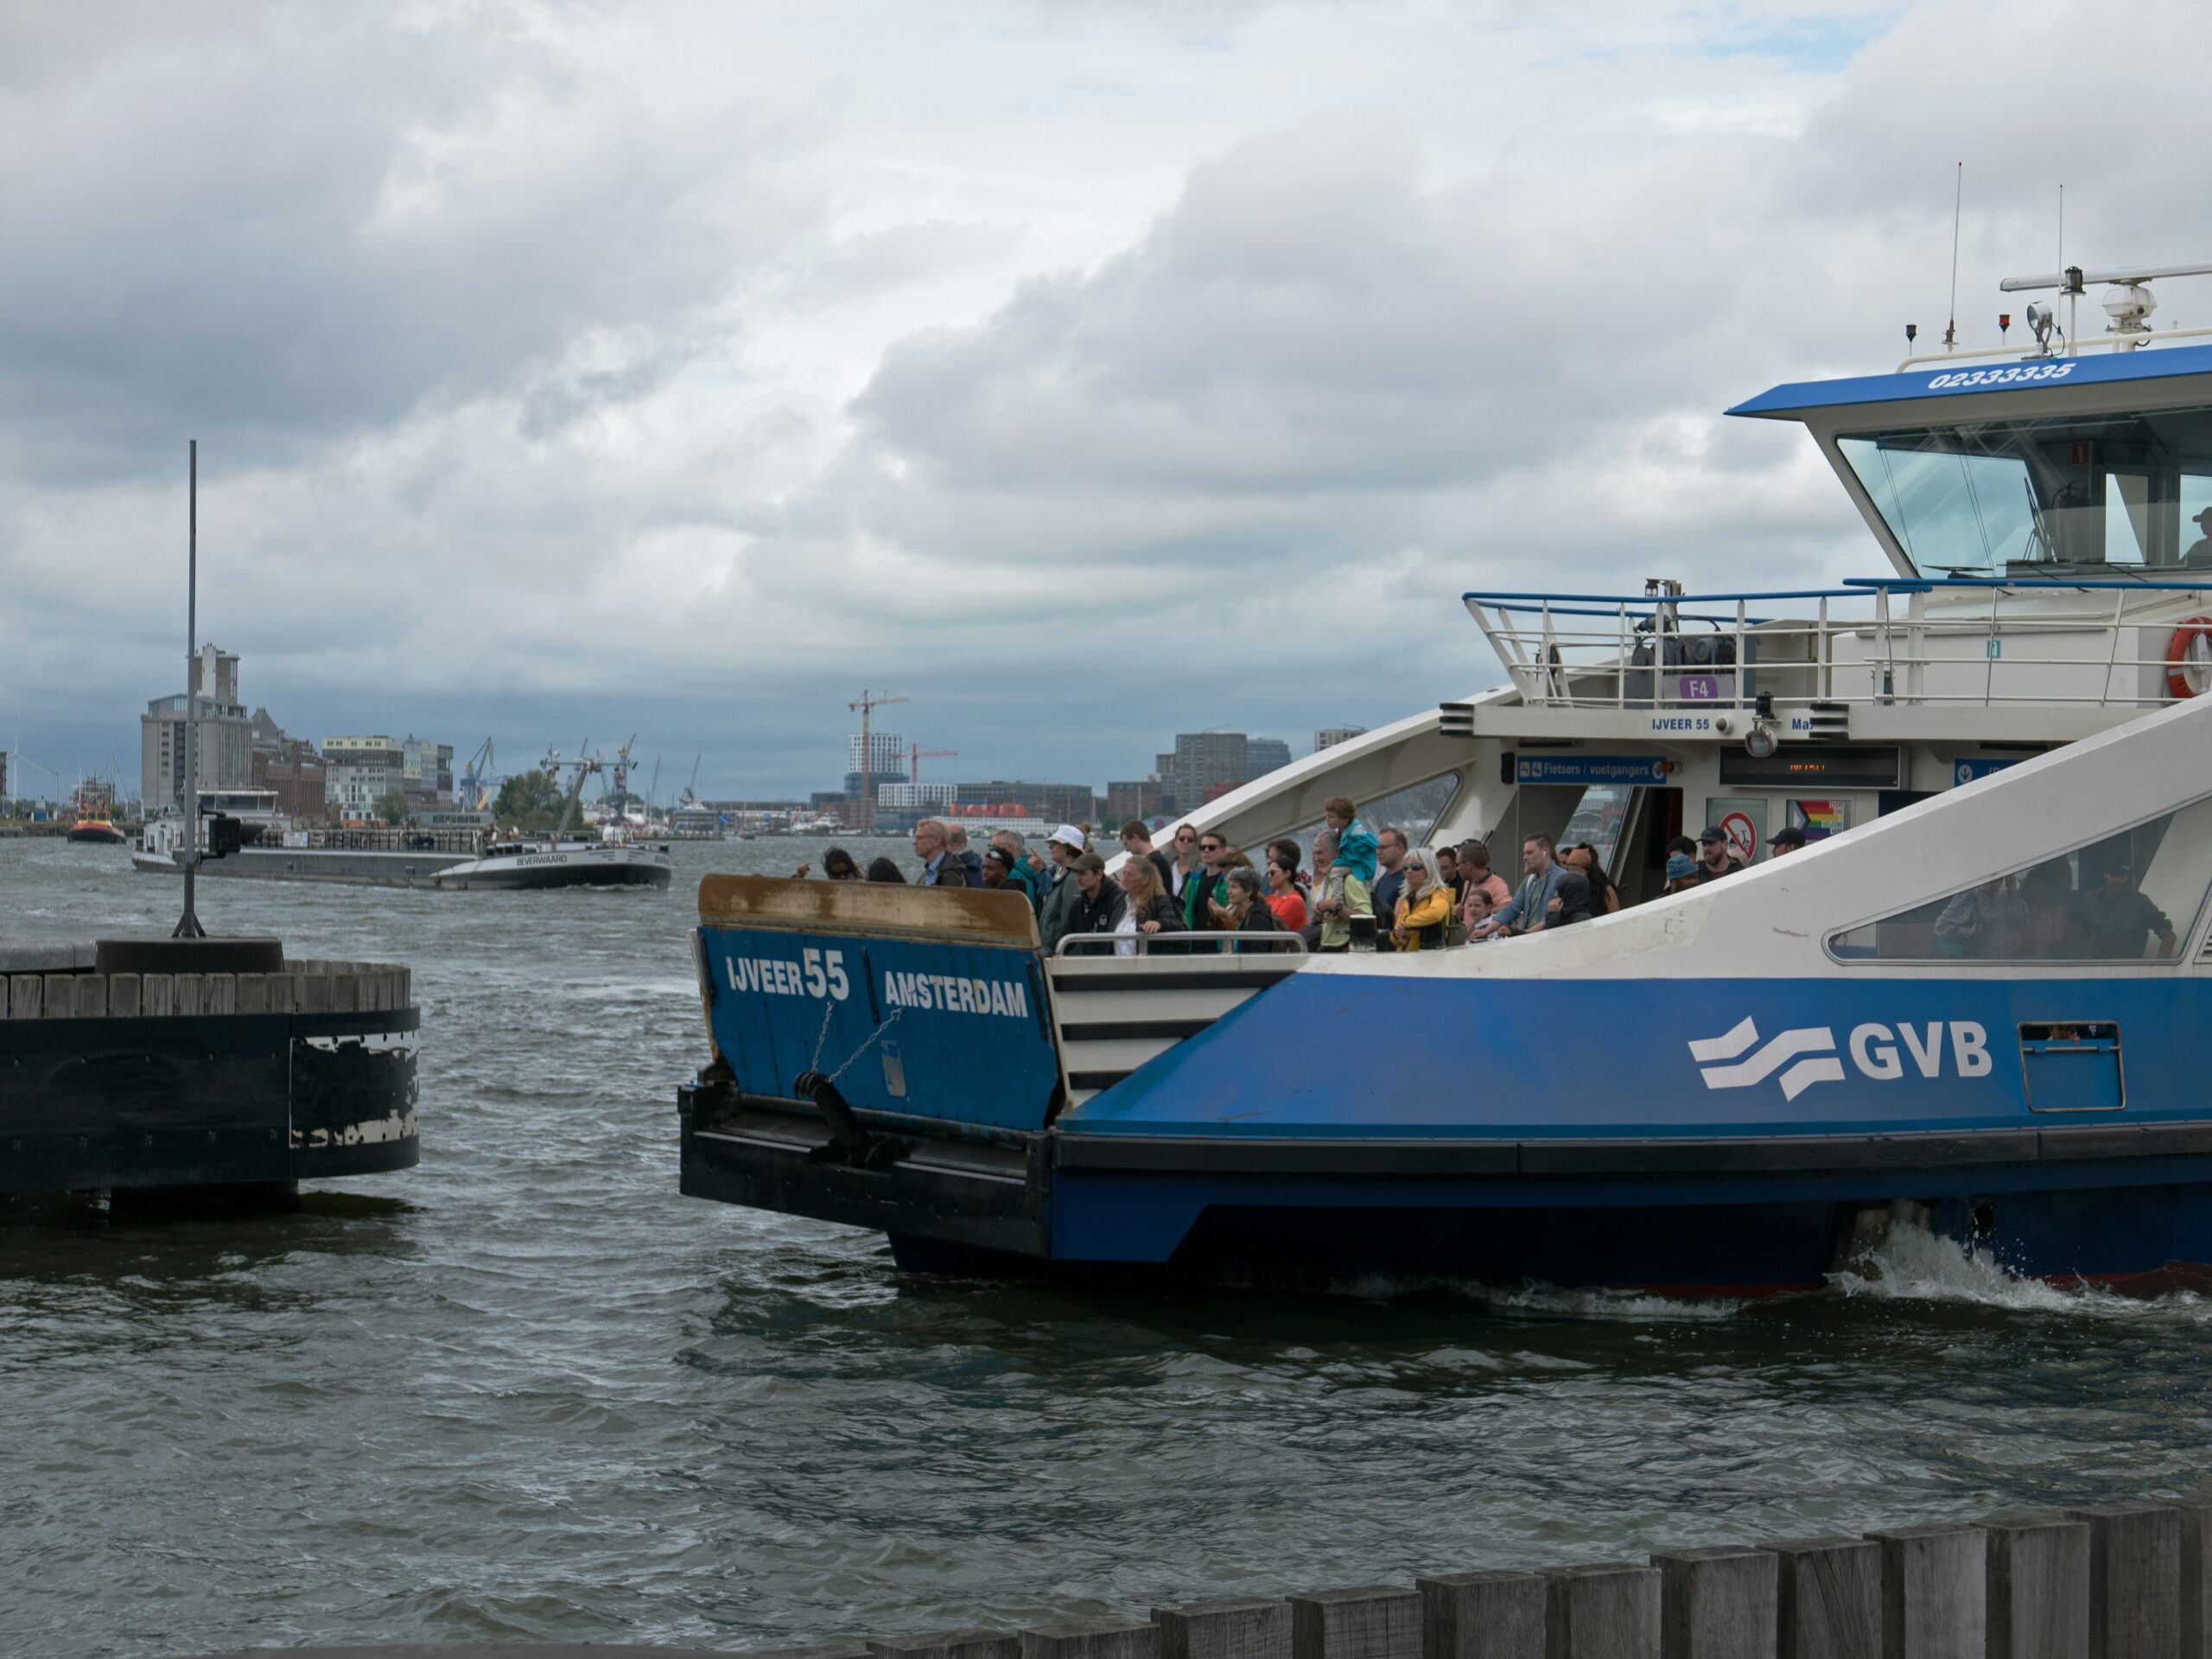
315,222
1087,376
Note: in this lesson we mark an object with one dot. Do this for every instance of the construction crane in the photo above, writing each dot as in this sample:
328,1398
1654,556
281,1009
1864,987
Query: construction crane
622,769
916,754
476,778
22,759
867,705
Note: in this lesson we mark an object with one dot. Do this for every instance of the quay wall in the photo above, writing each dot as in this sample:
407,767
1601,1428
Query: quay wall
2120,1581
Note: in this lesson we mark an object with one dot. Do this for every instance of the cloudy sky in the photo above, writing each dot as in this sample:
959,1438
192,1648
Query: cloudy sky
1084,372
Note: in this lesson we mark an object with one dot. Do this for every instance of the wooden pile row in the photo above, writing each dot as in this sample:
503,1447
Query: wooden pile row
2127,1581
303,988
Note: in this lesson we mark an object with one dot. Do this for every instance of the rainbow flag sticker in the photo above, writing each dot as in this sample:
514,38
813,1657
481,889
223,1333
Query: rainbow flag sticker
1820,819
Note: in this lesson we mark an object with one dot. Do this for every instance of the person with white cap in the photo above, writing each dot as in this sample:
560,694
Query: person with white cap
1058,912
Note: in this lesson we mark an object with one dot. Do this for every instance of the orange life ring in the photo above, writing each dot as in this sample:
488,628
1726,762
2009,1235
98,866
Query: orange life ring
2190,653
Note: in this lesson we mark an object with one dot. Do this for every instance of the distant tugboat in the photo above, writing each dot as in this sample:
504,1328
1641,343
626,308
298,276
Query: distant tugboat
96,829
89,821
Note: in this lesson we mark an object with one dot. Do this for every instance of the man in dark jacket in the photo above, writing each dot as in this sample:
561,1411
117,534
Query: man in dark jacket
1056,908
956,843
1137,842
1019,875
1201,892
1390,854
939,868
1101,903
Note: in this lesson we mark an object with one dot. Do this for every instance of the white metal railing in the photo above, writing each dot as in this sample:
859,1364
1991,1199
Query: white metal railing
1184,944
1978,642
2116,341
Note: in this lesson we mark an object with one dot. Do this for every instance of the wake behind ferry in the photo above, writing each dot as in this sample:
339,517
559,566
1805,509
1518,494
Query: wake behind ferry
1975,997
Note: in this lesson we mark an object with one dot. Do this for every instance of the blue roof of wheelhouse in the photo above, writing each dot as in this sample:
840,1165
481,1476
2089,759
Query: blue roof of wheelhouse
1974,376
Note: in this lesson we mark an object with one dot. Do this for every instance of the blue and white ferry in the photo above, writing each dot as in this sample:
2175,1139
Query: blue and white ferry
1977,995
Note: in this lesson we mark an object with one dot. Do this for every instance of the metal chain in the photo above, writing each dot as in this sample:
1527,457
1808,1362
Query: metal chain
867,1044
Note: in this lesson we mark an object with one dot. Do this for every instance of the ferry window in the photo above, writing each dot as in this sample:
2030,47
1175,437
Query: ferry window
1417,809
2132,515
2006,498
2132,897
1951,509
1599,819
2195,498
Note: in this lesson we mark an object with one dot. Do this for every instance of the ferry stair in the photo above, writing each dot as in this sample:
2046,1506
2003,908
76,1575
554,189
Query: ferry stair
1113,1014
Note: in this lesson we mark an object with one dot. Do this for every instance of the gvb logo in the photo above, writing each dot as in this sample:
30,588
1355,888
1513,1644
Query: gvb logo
1806,1054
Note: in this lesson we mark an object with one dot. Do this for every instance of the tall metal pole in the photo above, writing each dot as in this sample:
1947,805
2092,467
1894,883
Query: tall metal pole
188,927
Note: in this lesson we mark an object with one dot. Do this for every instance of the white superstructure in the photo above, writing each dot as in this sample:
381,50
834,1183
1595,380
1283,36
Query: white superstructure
2046,522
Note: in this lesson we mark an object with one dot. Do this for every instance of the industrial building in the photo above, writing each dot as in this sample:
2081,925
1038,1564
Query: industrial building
889,768
1205,766
362,771
223,734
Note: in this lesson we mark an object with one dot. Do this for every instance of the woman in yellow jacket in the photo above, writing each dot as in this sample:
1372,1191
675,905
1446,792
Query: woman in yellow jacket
1424,905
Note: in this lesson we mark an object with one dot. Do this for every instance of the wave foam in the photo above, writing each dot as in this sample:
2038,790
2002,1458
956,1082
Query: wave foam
1912,1262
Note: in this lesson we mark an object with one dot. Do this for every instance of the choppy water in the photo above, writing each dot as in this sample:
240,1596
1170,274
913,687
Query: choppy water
528,1390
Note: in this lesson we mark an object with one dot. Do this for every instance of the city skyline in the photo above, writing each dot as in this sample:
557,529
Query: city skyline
225,718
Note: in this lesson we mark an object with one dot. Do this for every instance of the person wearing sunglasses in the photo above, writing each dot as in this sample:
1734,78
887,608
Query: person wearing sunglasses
1202,891
1185,863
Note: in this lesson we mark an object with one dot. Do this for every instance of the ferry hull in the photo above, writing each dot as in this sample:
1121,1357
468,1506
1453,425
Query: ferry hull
1728,1135
615,867
1337,1210
337,866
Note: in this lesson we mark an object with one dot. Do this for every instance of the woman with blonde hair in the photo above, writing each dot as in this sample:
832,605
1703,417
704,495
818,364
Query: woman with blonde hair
1424,905
1149,910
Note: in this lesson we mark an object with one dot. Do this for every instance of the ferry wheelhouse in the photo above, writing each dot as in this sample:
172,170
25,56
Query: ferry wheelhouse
1719,1089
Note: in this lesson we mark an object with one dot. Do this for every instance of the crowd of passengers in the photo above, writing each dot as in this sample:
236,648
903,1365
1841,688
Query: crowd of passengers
2039,914
1361,886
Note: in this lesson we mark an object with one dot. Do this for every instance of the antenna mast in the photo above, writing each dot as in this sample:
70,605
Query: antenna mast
1958,201
187,925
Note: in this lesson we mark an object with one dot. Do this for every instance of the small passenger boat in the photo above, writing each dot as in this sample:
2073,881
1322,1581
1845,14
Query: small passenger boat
1976,993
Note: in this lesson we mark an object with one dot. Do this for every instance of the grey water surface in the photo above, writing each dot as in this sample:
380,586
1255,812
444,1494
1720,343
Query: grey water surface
527,1391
